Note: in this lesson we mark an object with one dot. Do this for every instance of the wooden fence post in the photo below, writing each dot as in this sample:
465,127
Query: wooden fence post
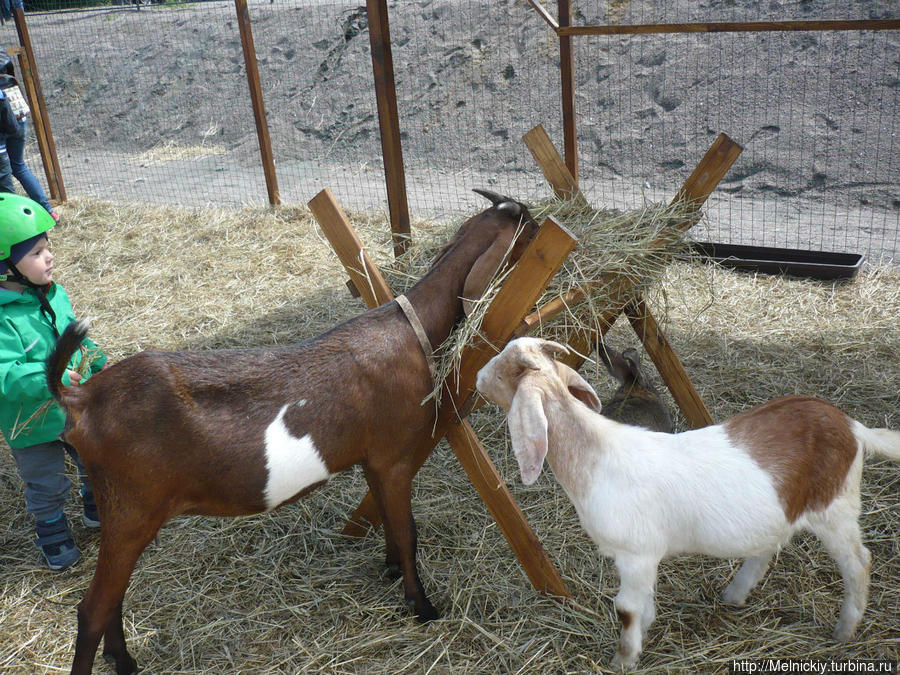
39,110
567,89
389,122
256,98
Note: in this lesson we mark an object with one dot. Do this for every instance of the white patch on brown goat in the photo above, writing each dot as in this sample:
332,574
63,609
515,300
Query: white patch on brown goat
293,464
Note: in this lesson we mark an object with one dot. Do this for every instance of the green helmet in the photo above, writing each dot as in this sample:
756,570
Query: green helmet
20,219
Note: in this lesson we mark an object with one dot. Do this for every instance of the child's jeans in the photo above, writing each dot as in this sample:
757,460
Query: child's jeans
43,469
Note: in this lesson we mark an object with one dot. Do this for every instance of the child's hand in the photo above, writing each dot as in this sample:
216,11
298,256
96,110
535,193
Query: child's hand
74,376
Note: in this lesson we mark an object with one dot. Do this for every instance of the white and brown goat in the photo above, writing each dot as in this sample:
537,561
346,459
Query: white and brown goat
739,489
237,432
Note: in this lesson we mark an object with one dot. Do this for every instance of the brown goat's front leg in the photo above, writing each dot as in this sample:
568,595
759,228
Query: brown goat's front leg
392,490
100,611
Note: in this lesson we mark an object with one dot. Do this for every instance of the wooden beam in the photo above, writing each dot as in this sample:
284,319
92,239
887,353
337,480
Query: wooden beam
567,89
39,111
544,14
503,509
389,123
708,173
552,164
364,274
668,365
733,27
256,98
696,189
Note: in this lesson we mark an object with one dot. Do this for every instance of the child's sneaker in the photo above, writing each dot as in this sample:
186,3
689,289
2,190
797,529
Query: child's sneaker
55,542
89,516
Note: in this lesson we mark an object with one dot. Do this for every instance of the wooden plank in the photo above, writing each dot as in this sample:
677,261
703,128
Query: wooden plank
503,508
668,364
708,173
567,90
364,274
256,98
544,14
552,164
36,100
733,27
389,122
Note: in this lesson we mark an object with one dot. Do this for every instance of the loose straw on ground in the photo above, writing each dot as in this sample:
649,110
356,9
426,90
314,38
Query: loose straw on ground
287,593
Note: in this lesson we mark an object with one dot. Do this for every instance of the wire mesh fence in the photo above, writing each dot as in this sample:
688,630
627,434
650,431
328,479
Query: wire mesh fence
149,102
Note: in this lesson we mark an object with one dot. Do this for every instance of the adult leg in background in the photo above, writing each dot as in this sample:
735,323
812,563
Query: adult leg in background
15,148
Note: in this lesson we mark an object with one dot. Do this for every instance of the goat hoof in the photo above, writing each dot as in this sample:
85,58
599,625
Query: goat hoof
731,597
125,665
424,611
843,633
623,664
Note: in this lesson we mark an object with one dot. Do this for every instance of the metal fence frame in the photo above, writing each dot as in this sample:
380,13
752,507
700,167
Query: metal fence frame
385,92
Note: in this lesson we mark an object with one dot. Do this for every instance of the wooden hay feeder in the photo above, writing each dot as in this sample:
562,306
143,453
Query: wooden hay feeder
509,316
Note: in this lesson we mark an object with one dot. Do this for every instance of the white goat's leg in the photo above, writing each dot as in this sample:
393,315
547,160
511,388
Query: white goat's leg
634,604
839,532
745,580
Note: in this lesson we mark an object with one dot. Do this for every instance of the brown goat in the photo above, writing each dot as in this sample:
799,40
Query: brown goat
241,431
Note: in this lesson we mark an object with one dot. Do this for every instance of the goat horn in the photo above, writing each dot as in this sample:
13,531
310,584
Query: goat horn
494,198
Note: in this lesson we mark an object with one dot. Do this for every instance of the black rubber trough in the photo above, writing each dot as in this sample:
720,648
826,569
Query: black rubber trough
809,264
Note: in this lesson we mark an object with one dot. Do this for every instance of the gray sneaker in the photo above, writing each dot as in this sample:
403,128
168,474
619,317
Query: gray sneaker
56,543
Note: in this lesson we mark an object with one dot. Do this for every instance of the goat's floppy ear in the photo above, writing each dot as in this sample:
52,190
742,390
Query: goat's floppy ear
528,431
579,387
484,269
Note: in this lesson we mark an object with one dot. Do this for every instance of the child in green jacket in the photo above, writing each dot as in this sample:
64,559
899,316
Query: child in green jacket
33,312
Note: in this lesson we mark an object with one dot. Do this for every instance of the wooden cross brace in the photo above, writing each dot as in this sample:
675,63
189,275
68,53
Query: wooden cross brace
695,191
506,318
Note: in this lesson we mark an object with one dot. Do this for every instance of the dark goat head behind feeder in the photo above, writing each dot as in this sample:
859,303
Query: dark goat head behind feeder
242,431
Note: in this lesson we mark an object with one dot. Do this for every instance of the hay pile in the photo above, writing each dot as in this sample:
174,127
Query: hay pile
637,245
286,593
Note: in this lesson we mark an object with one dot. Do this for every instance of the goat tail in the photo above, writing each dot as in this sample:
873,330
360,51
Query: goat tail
884,442
67,344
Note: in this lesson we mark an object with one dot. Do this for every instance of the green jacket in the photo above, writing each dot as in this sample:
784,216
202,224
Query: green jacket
28,414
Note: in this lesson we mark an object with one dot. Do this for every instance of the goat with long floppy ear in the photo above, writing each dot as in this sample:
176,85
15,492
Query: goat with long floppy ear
739,489
520,389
